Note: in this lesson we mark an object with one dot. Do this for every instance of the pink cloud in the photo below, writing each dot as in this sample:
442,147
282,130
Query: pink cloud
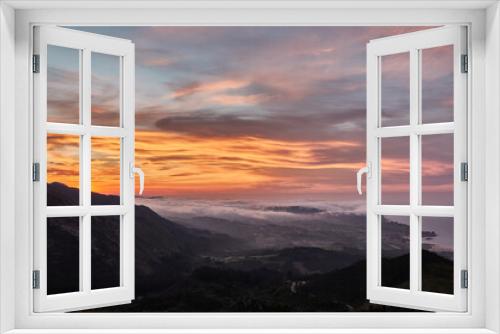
157,61
237,100
209,87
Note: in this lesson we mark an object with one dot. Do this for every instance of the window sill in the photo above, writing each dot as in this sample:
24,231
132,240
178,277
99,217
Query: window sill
254,331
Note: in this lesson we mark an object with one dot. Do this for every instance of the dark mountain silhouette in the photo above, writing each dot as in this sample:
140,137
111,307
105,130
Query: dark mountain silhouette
220,289
183,269
343,285
163,248
295,261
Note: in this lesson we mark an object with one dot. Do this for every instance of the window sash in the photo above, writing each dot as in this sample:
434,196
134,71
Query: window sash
414,297
86,43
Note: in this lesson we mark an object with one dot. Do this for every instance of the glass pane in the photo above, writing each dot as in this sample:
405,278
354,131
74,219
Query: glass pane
437,169
395,251
437,84
395,89
63,255
63,170
105,89
63,85
105,170
437,254
395,170
105,258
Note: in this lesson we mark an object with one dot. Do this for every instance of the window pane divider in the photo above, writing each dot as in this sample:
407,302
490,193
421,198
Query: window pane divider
415,162
419,210
80,211
85,172
79,129
418,129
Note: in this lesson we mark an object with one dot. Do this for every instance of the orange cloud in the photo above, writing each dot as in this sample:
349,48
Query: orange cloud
105,165
184,165
63,161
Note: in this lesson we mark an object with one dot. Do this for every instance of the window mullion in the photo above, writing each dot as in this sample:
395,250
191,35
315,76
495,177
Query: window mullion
85,161
415,244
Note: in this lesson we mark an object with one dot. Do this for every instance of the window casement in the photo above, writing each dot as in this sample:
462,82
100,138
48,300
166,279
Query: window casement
413,133
82,134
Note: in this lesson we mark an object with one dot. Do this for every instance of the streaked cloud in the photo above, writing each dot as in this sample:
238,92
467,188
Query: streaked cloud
259,111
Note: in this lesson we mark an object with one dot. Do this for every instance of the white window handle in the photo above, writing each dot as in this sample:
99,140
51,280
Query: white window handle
135,170
365,170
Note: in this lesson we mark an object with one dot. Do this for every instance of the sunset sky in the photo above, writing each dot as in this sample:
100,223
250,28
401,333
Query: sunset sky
252,112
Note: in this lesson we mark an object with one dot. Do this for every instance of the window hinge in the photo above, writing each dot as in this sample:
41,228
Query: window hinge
464,171
464,284
36,63
36,279
36,171
465,64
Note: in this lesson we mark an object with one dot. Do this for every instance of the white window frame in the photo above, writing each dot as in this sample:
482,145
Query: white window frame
85,44
16,20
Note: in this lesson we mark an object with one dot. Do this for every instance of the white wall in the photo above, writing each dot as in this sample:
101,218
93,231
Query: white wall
492,212
7,147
